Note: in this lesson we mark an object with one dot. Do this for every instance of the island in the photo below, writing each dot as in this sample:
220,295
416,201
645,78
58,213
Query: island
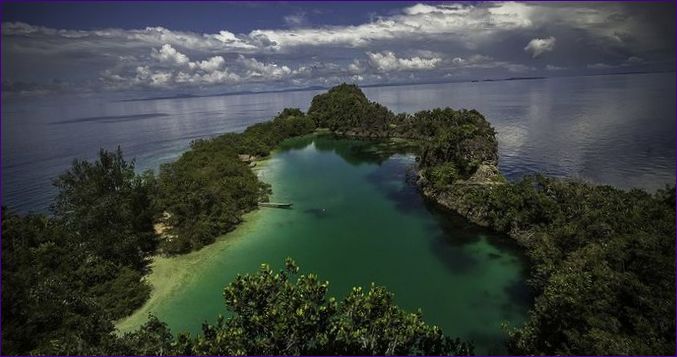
602,260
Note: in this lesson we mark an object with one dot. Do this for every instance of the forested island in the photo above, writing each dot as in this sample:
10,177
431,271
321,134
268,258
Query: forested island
601,259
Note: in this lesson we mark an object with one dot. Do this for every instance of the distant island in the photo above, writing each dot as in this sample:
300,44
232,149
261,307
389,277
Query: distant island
601,259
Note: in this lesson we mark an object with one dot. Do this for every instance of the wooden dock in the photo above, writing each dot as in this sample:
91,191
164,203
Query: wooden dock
275,204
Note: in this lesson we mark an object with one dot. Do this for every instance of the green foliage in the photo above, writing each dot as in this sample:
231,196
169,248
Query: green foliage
442,175
283,313
209,188
152,339
66,277
205,192
603,263
462,137
56,272
108,206
345,107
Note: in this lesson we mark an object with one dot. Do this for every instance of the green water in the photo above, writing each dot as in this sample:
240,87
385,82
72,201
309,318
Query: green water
356,220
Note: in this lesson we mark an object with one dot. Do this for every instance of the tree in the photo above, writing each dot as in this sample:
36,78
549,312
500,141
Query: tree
65,278
208,189
44,302
345,107
273,314
108,208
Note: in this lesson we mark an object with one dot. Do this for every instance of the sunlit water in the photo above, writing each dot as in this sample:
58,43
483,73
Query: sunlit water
617,129
356,221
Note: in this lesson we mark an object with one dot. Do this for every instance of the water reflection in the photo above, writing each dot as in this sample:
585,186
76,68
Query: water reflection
617,130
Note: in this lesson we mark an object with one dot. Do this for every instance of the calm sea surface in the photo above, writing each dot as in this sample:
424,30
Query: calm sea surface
617,129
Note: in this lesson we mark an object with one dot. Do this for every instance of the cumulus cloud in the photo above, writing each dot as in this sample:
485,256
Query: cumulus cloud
468,40
167,54
209,65
539,46
178,70
270,71
357,67
466,22
386,61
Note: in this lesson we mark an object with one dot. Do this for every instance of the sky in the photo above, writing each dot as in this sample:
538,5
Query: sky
194,47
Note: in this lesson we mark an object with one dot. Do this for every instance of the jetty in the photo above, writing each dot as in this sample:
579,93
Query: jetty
275,204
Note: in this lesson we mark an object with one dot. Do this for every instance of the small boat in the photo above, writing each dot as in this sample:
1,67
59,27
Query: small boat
275,204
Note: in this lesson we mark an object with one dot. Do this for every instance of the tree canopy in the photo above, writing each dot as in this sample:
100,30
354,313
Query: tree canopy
345,107
208,189
284,313
66,277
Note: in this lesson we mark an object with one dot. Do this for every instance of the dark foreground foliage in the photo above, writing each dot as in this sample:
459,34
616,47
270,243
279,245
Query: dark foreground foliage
66,277
284,313
603,264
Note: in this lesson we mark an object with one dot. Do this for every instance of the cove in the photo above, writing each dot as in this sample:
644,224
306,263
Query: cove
357,218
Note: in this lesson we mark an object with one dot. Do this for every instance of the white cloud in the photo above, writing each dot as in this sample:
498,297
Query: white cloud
387,61
551,67
269,71
357,67
210,65
167,54
231,41
466,22
539,46
471,24
435,39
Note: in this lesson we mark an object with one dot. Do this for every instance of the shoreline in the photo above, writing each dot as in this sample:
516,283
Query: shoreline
169,273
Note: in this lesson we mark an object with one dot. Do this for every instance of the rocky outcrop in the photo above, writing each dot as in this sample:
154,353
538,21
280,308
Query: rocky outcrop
457,196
